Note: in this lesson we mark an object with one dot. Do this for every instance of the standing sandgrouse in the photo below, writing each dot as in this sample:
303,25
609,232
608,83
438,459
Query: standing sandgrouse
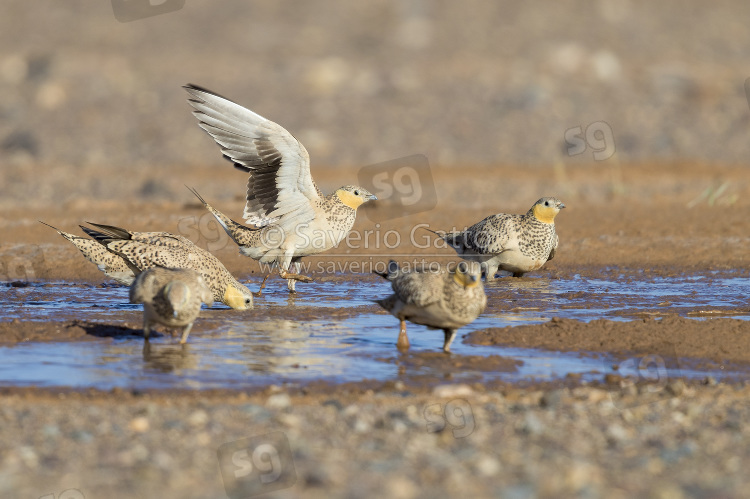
171,297
290,216
439,300
510,242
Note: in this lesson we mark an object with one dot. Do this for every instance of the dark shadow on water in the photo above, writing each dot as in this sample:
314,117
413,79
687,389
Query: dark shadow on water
110,331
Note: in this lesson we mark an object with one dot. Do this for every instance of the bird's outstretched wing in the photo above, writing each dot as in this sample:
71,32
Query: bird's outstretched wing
280,188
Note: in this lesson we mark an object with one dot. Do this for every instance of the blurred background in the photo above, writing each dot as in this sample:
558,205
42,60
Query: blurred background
92,106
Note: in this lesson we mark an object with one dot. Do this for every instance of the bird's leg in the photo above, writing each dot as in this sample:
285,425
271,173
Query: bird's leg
292,277
262,285
449,335
146,328
292,283
403,340
490,271
186,332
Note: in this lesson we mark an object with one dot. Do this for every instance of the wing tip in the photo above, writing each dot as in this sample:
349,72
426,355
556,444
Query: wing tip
196,90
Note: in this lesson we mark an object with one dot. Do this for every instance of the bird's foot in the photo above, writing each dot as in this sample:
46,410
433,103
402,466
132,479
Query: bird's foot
262,285
297,277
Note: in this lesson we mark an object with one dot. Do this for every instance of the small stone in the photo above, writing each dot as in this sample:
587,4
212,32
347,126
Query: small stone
676,387
290,420
613,379
362,426
401,488
279,401
488,466
453,391
532,425
139,424
616,433
333,403
29,456
710,381
552,399
163,460
198,418
51,431
81,436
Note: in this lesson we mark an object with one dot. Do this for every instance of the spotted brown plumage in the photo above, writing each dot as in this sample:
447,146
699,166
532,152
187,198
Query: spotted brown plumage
138,251
170,297
510,242
290,217
444,300
113,266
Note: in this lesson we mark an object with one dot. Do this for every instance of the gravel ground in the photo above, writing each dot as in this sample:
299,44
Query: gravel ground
691,441
93,116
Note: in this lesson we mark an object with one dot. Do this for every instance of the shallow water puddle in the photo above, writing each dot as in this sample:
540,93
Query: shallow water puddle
331,331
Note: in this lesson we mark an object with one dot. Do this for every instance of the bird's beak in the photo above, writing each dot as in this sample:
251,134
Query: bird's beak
372,197
466,280
561,206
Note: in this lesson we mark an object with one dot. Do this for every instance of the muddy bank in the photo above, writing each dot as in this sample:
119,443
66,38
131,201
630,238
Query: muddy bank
653,219
719,340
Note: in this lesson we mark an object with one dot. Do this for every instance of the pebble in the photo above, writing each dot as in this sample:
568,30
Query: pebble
488,466
452,391
676,387
139,424
552,398
532,425
279,401
198,418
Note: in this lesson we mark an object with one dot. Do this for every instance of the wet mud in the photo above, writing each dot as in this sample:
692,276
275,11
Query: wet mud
636,274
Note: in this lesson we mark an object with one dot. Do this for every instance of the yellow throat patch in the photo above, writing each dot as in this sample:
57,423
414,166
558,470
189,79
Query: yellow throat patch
545,214
465,280
349,199
234,298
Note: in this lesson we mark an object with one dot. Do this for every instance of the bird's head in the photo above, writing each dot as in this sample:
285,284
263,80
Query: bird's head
354,196
238,297
178,295
546,209
468,274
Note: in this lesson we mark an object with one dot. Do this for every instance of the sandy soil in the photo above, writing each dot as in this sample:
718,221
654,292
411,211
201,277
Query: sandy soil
646,220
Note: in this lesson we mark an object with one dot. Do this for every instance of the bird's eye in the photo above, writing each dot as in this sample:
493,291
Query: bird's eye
247,301
463,267
546,203
356,192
